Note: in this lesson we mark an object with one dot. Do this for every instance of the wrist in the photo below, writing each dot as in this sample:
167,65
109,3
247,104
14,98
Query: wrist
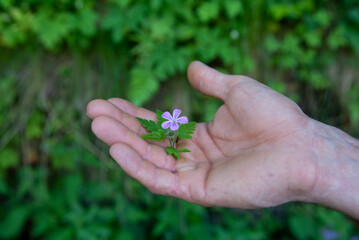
335,155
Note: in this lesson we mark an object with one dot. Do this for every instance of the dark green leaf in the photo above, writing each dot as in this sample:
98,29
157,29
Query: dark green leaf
149,125
159,115
170,150
186,130
183,150
173,151
157,133
154,136
176,155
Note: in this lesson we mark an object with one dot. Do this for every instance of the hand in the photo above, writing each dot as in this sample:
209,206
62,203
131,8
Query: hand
253,154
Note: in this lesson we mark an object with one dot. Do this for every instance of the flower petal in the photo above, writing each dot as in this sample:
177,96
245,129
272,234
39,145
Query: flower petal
167,115
166,124
174,126
176,113
182,120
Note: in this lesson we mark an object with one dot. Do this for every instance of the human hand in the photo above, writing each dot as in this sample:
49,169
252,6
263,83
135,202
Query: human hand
253,154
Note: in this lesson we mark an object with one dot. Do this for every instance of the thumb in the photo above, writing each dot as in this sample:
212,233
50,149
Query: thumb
208,80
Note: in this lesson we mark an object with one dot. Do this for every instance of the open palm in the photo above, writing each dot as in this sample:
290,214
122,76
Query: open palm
251,155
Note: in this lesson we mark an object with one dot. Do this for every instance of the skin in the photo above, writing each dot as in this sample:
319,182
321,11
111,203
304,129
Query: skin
259,151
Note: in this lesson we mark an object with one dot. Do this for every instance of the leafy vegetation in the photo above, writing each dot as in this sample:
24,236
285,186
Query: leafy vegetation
157,133
58,182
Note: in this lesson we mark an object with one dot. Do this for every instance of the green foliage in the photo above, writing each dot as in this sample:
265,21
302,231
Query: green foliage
186,130
9,158
14,221
208,11
154,136
176,152
173,151
307,222
56,180
157,133
150,125
182,150
142,86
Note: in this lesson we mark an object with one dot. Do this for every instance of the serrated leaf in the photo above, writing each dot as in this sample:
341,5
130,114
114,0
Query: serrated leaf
170,150
183,150
149,125
186,130
176,155
159,115
173,152
157,133
154,136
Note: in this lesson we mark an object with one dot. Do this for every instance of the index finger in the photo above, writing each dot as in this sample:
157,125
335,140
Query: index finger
132,109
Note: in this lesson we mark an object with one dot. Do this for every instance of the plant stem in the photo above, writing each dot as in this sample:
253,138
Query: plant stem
170,138
173,139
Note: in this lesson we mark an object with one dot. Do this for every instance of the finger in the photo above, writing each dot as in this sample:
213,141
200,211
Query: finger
111,131
209,81
157,180
101,107
132,109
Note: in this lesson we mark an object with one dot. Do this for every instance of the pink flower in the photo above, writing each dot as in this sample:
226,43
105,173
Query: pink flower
173,122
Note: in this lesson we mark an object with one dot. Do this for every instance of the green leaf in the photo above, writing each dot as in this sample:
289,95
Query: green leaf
186,130
159,115
157,133
173,151
154,136
183,150
170,150
150,125
176,155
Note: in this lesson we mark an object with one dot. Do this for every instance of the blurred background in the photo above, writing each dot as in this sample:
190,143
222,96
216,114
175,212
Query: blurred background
57,181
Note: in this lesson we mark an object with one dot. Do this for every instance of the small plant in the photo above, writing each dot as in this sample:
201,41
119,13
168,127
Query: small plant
171,127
